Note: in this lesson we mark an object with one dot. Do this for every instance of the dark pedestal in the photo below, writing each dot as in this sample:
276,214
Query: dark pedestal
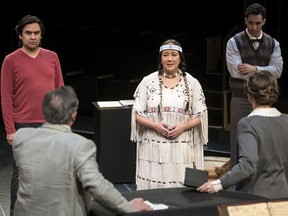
115,151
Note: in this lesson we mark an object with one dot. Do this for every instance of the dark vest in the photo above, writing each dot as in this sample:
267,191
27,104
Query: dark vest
261,56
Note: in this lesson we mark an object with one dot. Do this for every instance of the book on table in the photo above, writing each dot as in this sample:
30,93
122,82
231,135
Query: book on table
266,208
195,177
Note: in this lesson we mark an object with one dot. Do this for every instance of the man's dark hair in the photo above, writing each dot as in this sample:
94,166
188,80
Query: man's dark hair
255,9
28,19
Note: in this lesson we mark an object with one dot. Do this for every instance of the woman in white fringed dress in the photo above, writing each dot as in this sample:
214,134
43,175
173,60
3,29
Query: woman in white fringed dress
169,122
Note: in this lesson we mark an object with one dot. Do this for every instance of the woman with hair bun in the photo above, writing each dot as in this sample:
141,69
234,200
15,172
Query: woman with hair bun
263,144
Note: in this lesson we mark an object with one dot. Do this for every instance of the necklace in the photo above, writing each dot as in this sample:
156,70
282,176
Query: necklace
171,76
186,92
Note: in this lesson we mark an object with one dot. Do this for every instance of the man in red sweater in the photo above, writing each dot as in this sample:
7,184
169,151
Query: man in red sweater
27,74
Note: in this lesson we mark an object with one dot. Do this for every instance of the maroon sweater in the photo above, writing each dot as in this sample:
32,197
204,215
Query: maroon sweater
24,82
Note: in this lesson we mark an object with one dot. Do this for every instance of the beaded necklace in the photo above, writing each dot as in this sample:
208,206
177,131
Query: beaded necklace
171,76
186,91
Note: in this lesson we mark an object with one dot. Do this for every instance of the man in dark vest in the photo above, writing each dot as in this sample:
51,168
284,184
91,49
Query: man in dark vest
247,52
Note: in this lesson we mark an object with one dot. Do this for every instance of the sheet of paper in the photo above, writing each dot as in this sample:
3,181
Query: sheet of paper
251,209
108,104
278,208
126,103
156,206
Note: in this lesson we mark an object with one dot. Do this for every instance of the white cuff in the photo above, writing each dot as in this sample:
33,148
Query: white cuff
217,185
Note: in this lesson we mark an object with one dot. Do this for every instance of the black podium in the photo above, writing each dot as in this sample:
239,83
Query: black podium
116,154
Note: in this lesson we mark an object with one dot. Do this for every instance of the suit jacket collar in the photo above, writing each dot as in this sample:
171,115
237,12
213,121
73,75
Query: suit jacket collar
59,127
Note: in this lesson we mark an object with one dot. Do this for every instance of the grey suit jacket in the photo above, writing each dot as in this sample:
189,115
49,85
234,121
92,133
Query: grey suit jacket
55,165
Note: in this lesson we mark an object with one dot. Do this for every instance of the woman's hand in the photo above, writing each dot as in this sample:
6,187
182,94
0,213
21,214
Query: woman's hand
175,131
206,187
162,128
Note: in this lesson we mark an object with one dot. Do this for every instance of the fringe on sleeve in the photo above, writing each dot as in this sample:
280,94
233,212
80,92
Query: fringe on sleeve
204,125
135,127
133,135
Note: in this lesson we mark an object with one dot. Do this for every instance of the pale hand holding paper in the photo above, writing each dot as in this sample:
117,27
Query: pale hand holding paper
156,206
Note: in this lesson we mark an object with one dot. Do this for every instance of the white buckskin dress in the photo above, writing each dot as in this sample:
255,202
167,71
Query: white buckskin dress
161,162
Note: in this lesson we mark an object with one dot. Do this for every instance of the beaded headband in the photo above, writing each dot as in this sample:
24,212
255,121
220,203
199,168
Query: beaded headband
170,46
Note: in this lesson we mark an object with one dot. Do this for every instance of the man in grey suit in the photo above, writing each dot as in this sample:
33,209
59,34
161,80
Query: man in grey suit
57,166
